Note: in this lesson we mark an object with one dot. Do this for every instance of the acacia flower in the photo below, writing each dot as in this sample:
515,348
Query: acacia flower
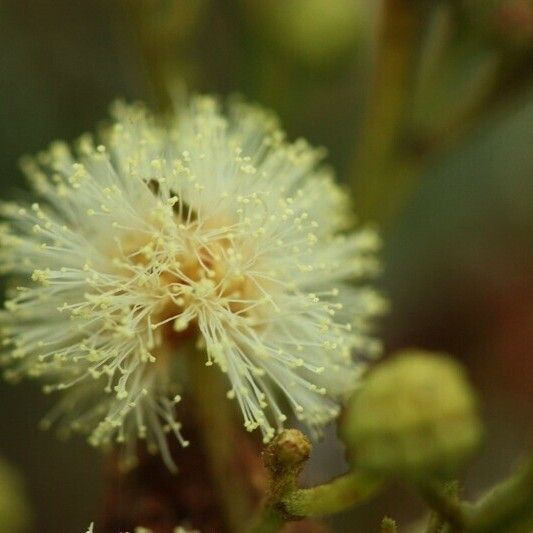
203,235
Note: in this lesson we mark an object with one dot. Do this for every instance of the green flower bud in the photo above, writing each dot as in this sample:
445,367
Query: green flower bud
415,415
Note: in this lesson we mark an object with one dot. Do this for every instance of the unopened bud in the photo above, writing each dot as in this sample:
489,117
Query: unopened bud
290,449
415,415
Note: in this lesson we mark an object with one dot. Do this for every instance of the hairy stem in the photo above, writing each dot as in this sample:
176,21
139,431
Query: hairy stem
444,501
285,458
341,493
507,505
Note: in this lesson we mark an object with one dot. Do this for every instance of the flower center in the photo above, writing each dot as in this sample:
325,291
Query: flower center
199,275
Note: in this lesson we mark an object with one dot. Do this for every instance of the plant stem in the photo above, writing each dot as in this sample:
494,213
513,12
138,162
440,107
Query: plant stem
373,174
341,493
163,40
338,495
285,458
271,520
446,503
233,465
507,505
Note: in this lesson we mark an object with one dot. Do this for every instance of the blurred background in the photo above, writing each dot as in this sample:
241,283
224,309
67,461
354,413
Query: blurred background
426,109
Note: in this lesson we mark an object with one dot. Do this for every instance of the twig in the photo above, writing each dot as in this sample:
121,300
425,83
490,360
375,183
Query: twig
341,493
285,458
235,468
446,504
372,175
506,505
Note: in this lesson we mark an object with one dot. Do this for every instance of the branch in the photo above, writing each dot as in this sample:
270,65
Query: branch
231,459
284,459
341,493
375,171
507,505
445,502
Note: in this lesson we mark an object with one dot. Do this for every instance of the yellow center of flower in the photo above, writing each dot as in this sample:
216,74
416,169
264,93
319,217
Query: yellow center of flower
199,277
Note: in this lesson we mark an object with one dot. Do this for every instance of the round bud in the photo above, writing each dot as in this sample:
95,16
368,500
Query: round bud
288,450
415,415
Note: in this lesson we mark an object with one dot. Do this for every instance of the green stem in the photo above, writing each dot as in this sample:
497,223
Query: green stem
374,172
507,505
338,495
162,44
285,458
341,493
446,504
271,520
226,460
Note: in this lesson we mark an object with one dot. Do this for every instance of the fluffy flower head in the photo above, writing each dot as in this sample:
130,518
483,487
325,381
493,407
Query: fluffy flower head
207,235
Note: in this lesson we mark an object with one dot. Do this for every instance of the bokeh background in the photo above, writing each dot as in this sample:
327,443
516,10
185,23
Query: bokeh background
426,109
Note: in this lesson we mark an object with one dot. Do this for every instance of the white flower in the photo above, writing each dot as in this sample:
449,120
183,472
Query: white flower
211,228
